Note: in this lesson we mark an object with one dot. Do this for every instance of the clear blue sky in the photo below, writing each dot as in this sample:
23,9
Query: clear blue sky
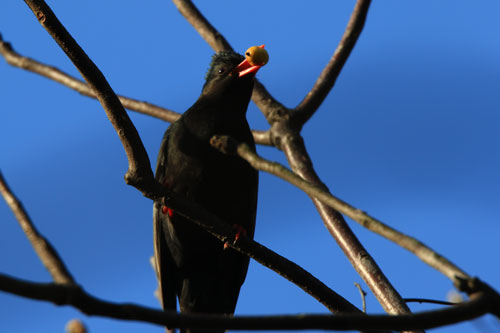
409,134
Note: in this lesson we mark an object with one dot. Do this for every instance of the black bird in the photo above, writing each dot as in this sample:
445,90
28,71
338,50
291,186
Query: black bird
191,264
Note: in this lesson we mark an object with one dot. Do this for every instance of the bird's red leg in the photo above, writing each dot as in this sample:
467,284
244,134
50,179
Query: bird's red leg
165,210
239,232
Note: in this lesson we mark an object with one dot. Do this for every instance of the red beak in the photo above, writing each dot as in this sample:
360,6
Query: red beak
245,68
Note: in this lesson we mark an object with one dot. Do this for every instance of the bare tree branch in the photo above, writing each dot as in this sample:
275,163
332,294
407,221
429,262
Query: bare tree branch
272,109
262,137
201,24
59,294
425,253
362,293
45,251
430,301
330,73
139,172
300,162
17,60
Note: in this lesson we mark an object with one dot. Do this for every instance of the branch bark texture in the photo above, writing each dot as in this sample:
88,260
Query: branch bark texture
426,254
139,171
365,265
75,296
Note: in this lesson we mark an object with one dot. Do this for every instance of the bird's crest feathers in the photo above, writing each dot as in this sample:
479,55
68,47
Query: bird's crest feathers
223,57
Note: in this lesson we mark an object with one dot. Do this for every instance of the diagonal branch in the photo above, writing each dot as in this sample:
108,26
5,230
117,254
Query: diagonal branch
201,24
300,162
482,302
45,251
268,258
139,169
425,253
15,59
330,73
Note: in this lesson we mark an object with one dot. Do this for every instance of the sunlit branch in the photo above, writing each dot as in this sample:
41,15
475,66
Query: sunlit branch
362,293
426,254
139,172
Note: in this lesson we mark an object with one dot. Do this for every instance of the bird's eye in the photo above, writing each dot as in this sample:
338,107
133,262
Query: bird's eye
221,70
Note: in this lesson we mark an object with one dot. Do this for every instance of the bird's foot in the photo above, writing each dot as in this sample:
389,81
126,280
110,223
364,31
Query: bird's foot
165,210
239,232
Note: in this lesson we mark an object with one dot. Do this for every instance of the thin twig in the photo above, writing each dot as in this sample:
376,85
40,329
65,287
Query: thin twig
45,251
363,295
17,60
425,253
73,295
430,301
330,73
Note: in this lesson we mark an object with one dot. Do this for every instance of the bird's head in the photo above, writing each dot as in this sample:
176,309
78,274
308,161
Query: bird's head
230,71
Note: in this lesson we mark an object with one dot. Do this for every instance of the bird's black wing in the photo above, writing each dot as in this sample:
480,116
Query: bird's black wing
164,265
